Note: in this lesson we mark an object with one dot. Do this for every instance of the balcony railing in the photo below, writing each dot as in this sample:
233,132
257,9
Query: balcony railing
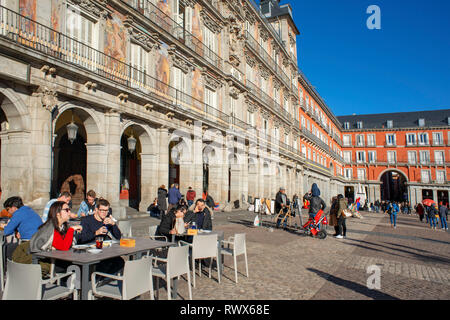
315,139
157,16
33,35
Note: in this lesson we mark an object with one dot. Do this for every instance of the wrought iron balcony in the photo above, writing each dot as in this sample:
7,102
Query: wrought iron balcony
160,18
30,34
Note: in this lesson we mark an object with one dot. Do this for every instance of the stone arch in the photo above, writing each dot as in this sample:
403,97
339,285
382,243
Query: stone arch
143,132
393,169
15,109
91,122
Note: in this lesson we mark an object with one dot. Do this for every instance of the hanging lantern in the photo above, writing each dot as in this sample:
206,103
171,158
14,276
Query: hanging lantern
131,143
72,129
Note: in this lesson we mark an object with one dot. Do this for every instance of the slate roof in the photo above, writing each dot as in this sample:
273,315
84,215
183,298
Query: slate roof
433,118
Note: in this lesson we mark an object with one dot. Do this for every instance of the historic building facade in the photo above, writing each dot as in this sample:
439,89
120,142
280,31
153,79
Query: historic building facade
116,95
398,156
112,95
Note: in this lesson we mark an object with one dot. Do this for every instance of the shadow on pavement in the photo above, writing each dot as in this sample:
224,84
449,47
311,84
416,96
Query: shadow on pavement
373,294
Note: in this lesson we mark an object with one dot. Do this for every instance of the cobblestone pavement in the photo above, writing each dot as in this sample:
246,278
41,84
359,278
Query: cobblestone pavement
413,259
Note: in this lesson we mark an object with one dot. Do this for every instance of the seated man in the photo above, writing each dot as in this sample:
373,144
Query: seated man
200,215
87,207
281,202
65,197
101,223
24,222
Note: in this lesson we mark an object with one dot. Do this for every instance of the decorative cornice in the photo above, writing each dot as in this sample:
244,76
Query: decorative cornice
210,81
147,41
251,60
188,3
179,61
263,33
98,8
264,72
209,22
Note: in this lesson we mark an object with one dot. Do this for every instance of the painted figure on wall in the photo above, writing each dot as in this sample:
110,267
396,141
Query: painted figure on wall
196,28
27,8
115,44
163,69
197,87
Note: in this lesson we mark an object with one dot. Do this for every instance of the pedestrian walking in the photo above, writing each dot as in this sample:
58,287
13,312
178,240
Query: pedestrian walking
443,212
420,211
162,200
393,210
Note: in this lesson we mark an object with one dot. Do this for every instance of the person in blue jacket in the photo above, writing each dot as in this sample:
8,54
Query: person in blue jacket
174,196
24,222
393,211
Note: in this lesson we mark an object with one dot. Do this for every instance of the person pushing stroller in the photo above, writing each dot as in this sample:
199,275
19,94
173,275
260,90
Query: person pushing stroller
316,203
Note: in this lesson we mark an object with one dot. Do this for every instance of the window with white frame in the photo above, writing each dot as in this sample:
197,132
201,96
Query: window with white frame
304,150
360,140
139,64
265,126
361,174
390,123
360,156
348,173
426,176
276,134
209,40
422,138
314,156
371,140
348,156
424,157
303,121
309,153
251,119
411,139
390,139
346,125
372,155
347,140
359,124
439,157
210,98
437,139
179,79
178,17
188,18
391,157
249,73
440,176
412,157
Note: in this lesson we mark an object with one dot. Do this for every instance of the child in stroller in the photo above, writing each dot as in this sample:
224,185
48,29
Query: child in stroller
312,226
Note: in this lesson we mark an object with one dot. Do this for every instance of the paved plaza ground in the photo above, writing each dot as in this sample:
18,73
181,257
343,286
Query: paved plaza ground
413,259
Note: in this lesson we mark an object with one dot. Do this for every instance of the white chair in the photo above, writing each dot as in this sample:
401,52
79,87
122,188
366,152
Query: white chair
204,246
125,228
136,280
24,282
152,234
239,247
2,269
176,264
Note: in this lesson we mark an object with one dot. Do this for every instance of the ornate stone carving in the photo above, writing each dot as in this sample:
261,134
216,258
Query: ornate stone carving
211,81
276,84
48,97
123,97
185,64
234,92
147,41
248,14
251,61
251,107
263,32
148,106
209,22
97,8
264,72
188,3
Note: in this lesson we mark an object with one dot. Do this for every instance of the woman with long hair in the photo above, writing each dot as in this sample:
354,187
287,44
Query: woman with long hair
55,233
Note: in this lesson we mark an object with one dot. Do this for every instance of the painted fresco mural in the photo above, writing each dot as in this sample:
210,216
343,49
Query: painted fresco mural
196,28
162,68
197,87
54,19
27,8
164,20
115,43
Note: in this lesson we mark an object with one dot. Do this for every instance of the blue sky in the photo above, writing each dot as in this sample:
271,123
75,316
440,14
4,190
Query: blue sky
405,66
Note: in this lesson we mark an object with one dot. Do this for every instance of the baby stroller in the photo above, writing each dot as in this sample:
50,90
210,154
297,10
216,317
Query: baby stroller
312,227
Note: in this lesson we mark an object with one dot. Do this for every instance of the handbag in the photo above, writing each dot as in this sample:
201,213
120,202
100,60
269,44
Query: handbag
179,226
346,213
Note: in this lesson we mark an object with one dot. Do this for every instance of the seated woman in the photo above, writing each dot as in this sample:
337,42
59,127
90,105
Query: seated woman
167,225
54,234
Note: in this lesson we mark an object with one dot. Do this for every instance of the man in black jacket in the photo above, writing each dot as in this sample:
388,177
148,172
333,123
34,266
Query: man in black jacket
281,203
200,215
315,202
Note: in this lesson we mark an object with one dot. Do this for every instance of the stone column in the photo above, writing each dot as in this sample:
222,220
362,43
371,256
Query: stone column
163,157
112,184
196,179
149,186
96,169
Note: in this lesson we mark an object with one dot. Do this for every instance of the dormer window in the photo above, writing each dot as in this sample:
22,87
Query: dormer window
448,121
359,125
346,125
421,122
390,123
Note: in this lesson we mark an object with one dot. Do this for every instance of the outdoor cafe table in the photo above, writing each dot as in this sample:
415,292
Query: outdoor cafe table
220,235
85,259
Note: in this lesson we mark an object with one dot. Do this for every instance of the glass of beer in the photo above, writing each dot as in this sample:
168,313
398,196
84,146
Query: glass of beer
99,242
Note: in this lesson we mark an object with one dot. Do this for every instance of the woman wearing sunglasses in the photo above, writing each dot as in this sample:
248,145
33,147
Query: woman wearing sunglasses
54,234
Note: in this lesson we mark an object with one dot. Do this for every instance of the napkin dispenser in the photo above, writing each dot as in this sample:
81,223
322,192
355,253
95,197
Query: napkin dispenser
127,243
192,232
